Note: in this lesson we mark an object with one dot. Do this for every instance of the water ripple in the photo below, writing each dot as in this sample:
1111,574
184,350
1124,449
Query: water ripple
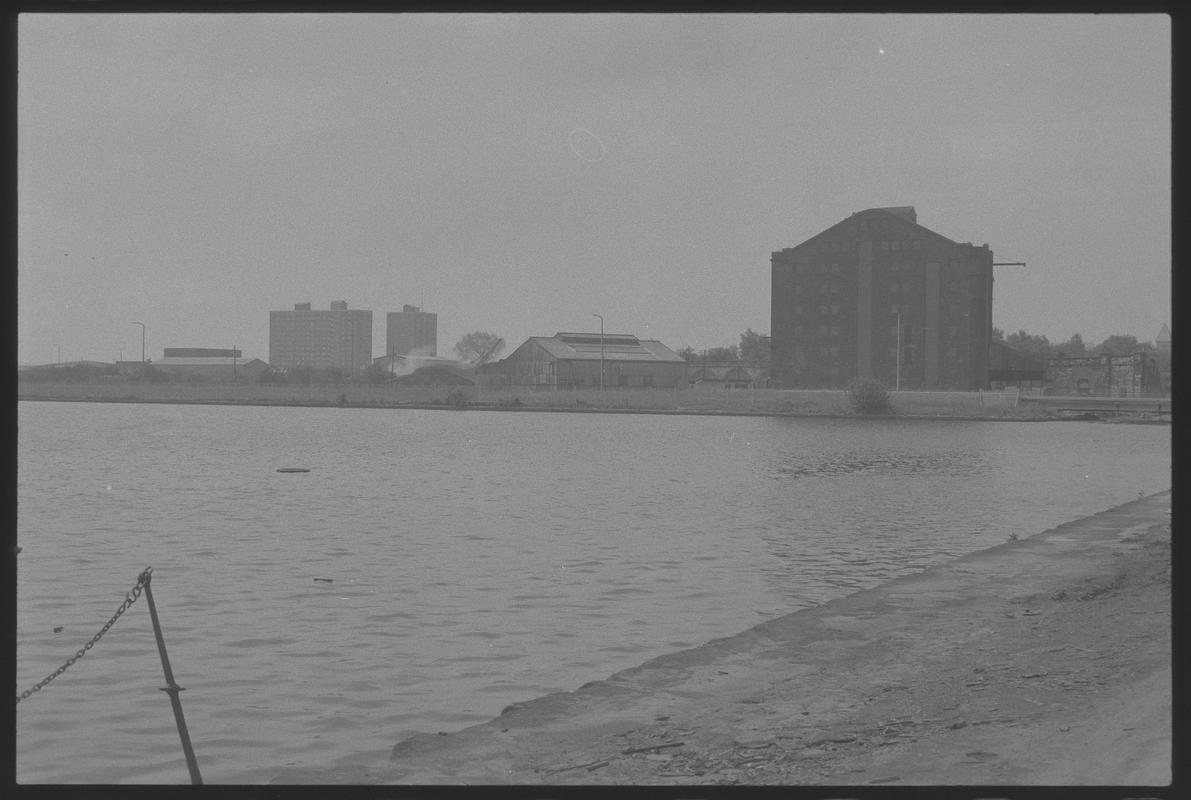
467,570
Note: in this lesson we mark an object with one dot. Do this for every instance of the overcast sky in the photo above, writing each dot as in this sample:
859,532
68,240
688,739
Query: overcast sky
518,173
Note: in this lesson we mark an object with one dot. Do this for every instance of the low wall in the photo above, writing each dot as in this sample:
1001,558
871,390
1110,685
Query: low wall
686,400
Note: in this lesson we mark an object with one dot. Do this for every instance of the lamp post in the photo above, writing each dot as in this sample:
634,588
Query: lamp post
898,360
601,351
142,340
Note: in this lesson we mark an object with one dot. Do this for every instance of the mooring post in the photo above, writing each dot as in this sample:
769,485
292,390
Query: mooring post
171,688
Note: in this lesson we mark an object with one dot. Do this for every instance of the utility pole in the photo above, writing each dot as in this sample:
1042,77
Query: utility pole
898,374
601,351
142,340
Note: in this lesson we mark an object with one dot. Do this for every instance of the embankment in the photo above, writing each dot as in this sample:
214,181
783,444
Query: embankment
753,402
1045,660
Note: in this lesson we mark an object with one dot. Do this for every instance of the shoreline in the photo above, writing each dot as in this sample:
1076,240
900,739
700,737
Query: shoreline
1041,661
1013,415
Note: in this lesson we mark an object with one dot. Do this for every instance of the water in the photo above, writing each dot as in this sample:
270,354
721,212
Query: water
469,559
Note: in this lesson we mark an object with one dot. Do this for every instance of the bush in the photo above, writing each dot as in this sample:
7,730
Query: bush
457,399
869,396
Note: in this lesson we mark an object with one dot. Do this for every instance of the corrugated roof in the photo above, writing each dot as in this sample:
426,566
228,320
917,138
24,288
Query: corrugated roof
615,349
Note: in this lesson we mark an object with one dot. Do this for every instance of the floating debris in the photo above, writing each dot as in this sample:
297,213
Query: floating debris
325,580
293,469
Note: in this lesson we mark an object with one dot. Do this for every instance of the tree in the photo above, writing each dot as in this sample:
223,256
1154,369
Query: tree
754,348
1032,345
479,346
688,353
729,353
1121,345
1072,348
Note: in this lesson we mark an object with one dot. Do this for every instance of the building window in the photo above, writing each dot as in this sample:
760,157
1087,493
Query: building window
647,380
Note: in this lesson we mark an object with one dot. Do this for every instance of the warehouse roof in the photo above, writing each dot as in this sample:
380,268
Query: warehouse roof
616,347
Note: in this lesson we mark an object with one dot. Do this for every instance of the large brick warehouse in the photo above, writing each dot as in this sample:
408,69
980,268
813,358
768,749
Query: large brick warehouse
839,297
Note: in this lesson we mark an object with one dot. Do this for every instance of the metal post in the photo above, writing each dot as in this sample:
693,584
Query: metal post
171,688
601,351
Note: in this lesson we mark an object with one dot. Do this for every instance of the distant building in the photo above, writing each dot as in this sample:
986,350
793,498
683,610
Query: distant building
436,375
1162,345
573,360
839,297
1162,341
200,352
338,337
720,375
405,364
1009,367
411,330
1135,375
227,369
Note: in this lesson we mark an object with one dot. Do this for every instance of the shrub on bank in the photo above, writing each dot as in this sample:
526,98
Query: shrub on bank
869,396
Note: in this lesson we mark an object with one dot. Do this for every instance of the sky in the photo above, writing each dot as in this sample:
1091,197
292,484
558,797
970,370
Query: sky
518,174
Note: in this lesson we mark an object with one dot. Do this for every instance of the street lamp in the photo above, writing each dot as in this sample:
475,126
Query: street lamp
142,340
601,351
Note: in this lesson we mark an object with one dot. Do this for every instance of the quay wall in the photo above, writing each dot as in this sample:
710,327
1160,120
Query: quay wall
740,401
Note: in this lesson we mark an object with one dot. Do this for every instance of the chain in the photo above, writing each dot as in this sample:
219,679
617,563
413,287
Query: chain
130,598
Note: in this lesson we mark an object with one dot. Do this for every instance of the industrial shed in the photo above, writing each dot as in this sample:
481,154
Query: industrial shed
212,368
575,360
1009,367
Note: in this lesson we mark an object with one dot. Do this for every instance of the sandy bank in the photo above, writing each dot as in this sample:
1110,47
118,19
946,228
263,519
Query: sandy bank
1040,661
